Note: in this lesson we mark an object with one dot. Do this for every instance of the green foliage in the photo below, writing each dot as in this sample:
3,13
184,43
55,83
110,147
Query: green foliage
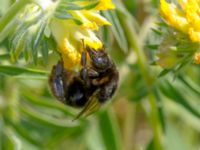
64,6
153,109
117,29
15,71
174,51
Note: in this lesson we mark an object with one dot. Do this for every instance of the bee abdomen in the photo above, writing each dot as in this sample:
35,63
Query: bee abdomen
107,90
76,94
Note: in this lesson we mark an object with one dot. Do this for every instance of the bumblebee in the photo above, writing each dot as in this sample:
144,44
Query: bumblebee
91,86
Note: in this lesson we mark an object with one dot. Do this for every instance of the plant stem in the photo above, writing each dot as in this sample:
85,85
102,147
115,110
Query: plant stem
148,78
154,114
11,97
129,126
12,11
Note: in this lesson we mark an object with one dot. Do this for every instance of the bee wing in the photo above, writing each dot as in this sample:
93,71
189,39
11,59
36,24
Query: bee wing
90,107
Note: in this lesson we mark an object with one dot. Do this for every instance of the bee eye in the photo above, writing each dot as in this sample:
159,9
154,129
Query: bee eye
99,58
101,62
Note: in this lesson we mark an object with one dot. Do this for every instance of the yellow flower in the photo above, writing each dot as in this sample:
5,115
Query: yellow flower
86,23
102,5
95,18
185,18
197,58
105,4
70,35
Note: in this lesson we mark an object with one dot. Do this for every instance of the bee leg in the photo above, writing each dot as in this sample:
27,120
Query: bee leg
55,81
83,58
84,66
92,73
107,90
86,72
90,107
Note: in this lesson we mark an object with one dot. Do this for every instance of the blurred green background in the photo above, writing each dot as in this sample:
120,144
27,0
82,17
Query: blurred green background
147,112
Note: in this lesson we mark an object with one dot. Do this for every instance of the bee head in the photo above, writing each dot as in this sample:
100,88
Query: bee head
100,59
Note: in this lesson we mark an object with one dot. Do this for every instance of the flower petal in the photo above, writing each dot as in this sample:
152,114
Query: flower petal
87,24
173,16
95,17
192,10
104,5
69,53
89,38
197,58
194,35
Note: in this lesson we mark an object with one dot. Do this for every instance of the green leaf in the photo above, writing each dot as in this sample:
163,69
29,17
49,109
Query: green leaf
171,92
39,34
9,140
190,84
44,102
173,133
4,57
164,72
117,29
160,109
8,30
24,133
46,120
183,62
70,135
110,131
28,35
45,51
94,139
157,31
17,45
162,24
61,10
15,71
152,46
153,63
133,82
27,50
65,5
62,14
105,35
150,145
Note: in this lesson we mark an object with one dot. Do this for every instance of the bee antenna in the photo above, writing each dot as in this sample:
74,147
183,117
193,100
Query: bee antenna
104,47
84,46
